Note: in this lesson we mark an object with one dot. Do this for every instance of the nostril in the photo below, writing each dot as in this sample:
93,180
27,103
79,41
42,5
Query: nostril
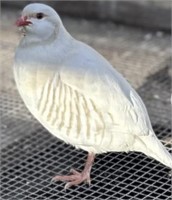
25,18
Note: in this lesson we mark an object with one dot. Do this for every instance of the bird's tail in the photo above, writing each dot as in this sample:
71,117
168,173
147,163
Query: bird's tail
152,147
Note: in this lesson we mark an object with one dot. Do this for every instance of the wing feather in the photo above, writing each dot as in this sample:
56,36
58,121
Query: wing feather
91,75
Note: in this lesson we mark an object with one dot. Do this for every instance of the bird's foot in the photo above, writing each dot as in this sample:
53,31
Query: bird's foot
75,178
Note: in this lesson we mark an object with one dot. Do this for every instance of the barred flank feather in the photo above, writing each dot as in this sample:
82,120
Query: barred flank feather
70,112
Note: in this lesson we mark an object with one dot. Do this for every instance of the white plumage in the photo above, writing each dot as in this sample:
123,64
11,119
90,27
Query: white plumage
76,94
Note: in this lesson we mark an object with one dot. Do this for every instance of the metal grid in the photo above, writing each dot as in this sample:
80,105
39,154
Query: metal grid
30,156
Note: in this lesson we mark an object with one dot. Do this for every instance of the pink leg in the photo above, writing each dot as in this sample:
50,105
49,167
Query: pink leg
78,177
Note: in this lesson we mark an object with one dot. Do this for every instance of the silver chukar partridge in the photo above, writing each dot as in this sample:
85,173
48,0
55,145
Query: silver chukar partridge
77,95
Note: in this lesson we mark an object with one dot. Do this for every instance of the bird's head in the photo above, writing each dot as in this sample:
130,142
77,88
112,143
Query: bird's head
39,22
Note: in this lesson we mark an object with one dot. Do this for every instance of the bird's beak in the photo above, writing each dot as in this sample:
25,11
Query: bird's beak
22,21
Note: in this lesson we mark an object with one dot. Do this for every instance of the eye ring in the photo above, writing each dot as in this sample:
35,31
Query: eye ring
39,15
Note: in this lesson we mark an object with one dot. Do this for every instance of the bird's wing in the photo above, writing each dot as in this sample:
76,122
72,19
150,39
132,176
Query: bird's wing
91,75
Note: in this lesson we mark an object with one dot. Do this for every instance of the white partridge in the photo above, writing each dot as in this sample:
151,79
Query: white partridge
77,95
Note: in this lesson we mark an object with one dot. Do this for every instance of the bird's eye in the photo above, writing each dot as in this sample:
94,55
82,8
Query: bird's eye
39,15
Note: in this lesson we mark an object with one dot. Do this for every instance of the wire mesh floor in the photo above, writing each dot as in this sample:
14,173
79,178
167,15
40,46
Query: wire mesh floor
30,156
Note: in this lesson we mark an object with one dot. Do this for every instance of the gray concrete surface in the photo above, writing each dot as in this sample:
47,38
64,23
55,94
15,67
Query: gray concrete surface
135,53
154,14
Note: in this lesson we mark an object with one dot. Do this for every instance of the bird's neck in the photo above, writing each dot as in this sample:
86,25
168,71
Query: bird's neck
59,35
51,51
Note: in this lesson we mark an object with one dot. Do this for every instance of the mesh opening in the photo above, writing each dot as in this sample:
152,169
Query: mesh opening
30,156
